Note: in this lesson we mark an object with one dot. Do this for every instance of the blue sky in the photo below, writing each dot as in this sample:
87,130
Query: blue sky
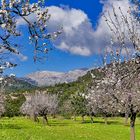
85,36
92,8
60,60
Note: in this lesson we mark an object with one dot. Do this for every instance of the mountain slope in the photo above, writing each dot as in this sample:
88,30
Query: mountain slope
47,78
13,84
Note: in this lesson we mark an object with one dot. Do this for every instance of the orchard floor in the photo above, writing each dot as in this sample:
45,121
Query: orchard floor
24,129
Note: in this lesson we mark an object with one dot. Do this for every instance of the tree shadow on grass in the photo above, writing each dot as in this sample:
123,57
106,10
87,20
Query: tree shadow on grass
10,126
101,122
79,122
59,124
85,122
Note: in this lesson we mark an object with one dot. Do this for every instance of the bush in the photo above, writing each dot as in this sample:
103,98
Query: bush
12,104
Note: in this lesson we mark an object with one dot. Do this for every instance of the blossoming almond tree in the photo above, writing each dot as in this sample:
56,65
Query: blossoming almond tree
125,37
40,104
36,30
10,12
101,98
2,106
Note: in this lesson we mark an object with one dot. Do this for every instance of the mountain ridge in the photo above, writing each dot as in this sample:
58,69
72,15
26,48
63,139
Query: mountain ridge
50,78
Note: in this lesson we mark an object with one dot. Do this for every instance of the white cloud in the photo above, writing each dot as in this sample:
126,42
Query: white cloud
75,50
78,33
79,37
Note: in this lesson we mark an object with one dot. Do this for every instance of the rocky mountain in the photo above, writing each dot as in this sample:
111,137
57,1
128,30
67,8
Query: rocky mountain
47,78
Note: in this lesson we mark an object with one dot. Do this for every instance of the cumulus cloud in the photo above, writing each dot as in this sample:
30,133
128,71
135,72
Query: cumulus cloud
79,37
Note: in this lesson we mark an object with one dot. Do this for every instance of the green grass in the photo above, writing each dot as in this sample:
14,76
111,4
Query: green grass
59,129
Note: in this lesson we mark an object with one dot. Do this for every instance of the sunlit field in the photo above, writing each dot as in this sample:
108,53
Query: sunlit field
61,129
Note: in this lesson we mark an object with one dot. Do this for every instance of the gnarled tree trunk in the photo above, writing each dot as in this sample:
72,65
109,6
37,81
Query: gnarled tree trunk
45,120
132,126
54,116
35,117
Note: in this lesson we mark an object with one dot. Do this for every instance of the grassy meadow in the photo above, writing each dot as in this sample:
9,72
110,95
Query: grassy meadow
60,129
